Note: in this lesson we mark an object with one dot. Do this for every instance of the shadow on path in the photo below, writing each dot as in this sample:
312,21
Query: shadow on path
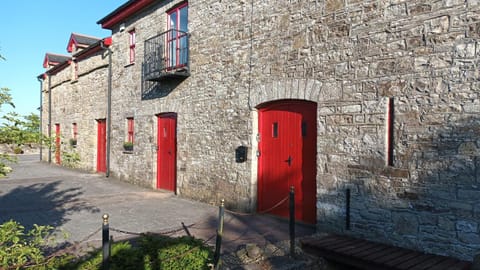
42,204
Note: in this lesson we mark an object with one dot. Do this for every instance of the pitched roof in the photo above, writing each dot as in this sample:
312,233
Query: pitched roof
52,59
80,41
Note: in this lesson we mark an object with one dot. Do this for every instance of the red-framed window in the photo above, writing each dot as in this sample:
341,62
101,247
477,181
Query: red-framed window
130,129
131,44
177,39
74,131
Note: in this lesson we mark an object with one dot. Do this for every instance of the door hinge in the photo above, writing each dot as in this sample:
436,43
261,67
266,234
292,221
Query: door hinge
258,153
258,137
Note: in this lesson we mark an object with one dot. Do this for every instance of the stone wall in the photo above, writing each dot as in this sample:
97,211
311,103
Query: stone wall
350,57
211,122
81,101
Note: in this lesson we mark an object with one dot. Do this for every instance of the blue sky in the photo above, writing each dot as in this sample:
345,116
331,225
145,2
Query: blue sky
31,28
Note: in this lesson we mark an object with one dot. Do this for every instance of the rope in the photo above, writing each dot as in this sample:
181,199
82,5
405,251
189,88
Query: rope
261,212
172,231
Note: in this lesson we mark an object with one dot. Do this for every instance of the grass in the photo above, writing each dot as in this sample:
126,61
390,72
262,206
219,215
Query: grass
151,253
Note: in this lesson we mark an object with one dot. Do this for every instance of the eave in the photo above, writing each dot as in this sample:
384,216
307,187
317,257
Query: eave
90,50
123,12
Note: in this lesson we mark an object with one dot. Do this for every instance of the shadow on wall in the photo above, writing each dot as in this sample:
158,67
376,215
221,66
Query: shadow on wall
42,204
153,89
429,201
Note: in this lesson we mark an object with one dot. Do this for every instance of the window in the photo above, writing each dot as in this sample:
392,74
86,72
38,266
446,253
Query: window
74,70
132,42
177,39
74,131
130,129
275,130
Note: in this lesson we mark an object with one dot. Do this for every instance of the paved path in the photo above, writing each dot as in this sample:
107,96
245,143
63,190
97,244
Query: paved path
73,201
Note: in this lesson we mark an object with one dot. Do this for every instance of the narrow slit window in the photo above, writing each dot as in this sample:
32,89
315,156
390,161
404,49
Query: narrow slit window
130,129
275,130
132,41
389,135
74,131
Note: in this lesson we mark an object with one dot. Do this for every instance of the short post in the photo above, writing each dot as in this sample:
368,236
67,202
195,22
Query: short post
218,243
292,221
105,243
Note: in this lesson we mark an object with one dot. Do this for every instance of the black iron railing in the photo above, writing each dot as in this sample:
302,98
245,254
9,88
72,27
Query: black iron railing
166,55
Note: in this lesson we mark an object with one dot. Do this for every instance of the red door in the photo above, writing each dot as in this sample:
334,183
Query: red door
101,145
288,143
167,151
58,158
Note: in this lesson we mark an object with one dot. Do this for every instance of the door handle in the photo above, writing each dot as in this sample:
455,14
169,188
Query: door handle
289,160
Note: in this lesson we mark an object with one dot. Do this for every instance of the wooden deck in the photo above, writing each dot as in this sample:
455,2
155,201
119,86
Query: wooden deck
364,254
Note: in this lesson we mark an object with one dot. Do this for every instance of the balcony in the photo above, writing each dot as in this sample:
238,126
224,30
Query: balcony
166,56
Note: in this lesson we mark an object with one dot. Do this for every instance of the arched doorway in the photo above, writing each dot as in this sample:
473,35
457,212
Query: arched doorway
287,157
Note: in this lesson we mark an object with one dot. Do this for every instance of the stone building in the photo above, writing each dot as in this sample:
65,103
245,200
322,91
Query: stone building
369,109
74,100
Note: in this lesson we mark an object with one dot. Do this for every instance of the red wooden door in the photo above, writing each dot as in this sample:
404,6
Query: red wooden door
101,145
167,152
288,143
58,158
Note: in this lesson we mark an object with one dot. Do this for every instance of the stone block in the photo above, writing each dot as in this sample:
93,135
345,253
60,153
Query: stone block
437,25
469,238
467,226
405,223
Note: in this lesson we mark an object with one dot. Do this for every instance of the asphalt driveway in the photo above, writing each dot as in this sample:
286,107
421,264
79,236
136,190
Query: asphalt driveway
74,202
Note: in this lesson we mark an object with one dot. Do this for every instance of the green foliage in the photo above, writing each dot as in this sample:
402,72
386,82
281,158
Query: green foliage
4,168
20,130
152,252
70,158
20,249
128,146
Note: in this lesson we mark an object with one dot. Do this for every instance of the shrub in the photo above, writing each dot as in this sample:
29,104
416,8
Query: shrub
20,249
70,158
17,150
152,252
128,146
72,142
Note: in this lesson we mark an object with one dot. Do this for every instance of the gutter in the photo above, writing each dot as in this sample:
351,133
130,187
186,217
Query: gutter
50,118
40,80
105,44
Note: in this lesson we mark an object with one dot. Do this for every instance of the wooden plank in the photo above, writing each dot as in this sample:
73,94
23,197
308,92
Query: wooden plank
343,245
399,260
377,255
327,240
334,244
397,254
445,265
368,252
360,245
412,262
369,255
432,261
354,253
461,265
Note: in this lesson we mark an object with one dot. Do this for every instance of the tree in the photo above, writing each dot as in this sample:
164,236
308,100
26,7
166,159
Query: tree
20,130
5,99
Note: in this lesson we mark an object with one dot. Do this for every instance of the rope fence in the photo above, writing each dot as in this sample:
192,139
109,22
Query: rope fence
107,239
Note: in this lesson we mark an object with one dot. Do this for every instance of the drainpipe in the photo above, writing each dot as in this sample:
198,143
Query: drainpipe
40,80
105,45
50,118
